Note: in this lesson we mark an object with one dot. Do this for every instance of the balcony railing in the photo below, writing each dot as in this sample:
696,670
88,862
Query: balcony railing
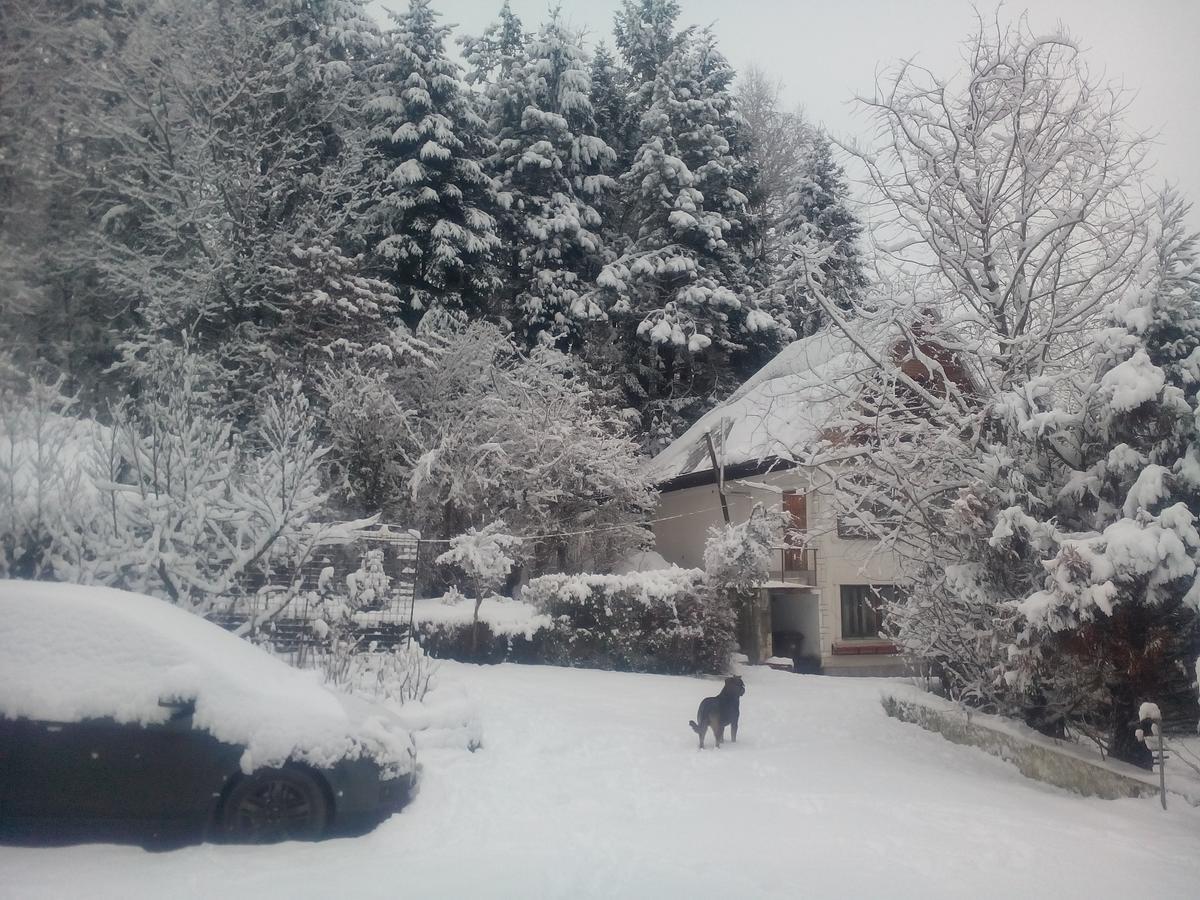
794,565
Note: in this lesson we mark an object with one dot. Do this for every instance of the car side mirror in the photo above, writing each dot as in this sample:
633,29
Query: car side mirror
180,709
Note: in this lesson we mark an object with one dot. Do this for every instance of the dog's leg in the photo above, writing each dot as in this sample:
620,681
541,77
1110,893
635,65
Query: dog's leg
733,728
717,728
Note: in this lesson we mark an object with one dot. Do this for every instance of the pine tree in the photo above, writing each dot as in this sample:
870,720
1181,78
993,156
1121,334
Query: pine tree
492,56
53,311
1115,622
609,105
815,226
430,226
552,172
681,287
803,204
645,35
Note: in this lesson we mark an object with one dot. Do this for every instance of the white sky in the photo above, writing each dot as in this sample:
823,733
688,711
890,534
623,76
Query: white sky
827,50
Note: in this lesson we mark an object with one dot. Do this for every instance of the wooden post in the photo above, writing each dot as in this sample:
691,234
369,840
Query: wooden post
719,475
1150,712
1162,767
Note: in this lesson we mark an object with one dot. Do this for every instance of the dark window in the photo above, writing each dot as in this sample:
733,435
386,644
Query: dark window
862,608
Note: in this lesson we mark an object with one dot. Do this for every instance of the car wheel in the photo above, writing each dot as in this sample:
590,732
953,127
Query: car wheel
275,805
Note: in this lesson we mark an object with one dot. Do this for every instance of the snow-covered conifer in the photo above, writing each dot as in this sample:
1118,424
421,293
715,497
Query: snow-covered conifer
802,203
610,106
1114,620
681,287
552,170
492,55
430,225
646,37
815,221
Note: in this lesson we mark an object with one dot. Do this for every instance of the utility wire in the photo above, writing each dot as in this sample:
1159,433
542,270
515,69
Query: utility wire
555,534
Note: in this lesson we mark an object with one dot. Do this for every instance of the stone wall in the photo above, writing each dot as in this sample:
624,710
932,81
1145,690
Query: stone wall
1035,755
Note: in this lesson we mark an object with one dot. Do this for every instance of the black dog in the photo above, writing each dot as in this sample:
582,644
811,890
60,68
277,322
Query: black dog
719,711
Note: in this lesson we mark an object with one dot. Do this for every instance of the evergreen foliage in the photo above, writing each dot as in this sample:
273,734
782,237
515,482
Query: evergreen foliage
679,295
552,170
430,224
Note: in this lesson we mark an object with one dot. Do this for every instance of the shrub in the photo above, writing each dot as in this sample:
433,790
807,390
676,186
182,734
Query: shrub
452,640
665,621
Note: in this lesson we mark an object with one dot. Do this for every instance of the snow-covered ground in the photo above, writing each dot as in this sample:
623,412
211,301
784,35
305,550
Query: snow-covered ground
590,785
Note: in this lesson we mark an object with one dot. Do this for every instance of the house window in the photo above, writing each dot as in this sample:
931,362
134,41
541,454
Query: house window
862,608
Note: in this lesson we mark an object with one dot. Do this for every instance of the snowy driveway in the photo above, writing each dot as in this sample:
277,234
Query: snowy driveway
590,785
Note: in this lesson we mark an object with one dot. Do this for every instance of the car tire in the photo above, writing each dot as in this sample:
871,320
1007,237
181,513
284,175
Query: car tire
274,805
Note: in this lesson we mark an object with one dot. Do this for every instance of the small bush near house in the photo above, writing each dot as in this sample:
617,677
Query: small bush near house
507,630
452,640
665,621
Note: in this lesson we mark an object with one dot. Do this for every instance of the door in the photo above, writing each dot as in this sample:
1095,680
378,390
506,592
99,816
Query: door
795,508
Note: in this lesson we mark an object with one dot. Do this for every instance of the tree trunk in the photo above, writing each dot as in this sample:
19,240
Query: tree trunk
475,625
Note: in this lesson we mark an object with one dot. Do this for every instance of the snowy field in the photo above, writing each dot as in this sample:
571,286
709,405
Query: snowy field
590,785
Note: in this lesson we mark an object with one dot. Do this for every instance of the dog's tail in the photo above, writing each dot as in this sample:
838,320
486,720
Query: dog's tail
695,727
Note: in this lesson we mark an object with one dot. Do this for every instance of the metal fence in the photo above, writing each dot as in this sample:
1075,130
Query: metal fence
794,565
360,582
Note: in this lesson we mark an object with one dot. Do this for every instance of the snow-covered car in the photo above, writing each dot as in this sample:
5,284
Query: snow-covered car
120,713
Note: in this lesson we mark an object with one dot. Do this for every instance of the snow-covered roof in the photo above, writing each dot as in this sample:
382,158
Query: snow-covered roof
781,409
69,653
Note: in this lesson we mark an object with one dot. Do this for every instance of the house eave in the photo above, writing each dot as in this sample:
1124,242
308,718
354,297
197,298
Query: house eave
746,469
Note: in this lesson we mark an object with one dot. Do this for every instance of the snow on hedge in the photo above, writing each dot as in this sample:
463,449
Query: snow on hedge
652,587
666,620
69,653
503,616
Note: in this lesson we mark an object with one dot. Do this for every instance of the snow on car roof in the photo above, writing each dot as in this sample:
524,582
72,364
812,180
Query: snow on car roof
69,653
781,409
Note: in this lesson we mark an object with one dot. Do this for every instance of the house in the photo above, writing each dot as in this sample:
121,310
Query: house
818,604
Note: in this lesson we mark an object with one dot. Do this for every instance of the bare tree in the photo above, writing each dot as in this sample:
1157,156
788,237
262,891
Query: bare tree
779,140
1015,191
1010,218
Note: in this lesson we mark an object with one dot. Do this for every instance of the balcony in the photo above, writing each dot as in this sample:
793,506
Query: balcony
793,566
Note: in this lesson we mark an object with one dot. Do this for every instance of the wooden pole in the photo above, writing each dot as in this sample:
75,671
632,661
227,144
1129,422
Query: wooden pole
1162,767
719,475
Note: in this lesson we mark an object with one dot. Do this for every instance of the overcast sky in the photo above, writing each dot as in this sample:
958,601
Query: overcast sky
828,50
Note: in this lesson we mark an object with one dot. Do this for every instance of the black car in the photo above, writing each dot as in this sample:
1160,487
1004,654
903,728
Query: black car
121,716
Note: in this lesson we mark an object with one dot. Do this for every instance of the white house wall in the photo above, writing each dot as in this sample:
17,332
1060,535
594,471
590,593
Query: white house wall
686,515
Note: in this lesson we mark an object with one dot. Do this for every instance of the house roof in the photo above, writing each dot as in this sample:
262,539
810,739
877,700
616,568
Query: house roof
781,409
